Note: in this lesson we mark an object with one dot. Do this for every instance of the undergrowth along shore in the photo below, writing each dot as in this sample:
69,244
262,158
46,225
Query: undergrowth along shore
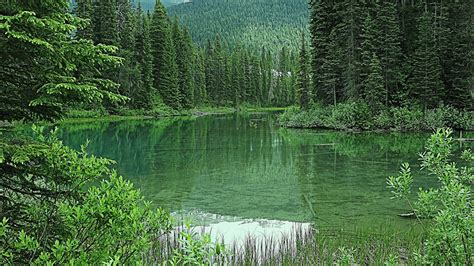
302,246
79,115
94,115
358,116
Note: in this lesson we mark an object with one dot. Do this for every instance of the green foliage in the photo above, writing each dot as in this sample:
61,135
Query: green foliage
50,216
407,119
165,69
184,59
425,83
345,256
449,205
148,5
79,113
392,54
44,67
358,115
303,78
196,249
401,184
162,65
374,90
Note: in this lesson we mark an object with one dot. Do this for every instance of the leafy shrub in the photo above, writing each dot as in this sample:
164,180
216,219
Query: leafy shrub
196,249
49,216
357,115
450,236
383,120
342,116
406,119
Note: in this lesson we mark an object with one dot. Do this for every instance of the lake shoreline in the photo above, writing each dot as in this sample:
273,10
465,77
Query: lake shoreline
88,116
141,115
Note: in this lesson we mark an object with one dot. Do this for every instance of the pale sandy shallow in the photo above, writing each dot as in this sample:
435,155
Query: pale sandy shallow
236,231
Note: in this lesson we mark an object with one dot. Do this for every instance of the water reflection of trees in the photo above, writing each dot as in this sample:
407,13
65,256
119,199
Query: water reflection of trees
130,143
243,165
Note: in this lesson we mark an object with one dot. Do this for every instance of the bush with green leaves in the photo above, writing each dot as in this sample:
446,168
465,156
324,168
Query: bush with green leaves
446,212
358,116
53,214
196,249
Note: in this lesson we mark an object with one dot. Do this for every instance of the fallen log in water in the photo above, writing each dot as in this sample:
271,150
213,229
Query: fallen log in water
408,215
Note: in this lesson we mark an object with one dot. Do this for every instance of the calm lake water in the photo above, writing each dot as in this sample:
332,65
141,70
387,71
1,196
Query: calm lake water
245,166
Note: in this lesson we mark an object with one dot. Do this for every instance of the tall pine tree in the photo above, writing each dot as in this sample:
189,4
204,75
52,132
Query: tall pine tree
183,46
374,87
165,72
303,76
425,82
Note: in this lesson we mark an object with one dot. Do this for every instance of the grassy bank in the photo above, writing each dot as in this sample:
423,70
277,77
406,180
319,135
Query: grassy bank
357,116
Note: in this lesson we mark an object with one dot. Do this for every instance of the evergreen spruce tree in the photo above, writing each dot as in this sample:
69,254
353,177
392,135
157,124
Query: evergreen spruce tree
200,93
374,88
425,83
142,96
266,75
270,77
293,66
236,77
218,69
246,81
458,58
129,72
320,28
227,94
183,46
44,67
389,47
368,47
164,58
84,9
255,83
105,22
209,71
303,78
330,68
351,13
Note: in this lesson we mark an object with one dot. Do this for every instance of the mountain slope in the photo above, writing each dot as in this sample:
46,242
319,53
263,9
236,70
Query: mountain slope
254,23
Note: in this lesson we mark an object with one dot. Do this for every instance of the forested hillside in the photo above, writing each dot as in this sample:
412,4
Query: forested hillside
252,23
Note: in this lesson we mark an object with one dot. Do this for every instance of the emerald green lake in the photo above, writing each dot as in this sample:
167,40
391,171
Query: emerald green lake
246,166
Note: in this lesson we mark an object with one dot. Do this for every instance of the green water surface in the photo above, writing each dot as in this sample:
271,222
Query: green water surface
246,166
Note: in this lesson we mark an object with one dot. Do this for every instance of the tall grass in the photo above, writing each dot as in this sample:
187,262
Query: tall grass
307,246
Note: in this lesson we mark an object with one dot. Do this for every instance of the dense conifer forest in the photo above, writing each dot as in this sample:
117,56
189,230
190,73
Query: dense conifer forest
393,53
160,64
253,23
416,55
